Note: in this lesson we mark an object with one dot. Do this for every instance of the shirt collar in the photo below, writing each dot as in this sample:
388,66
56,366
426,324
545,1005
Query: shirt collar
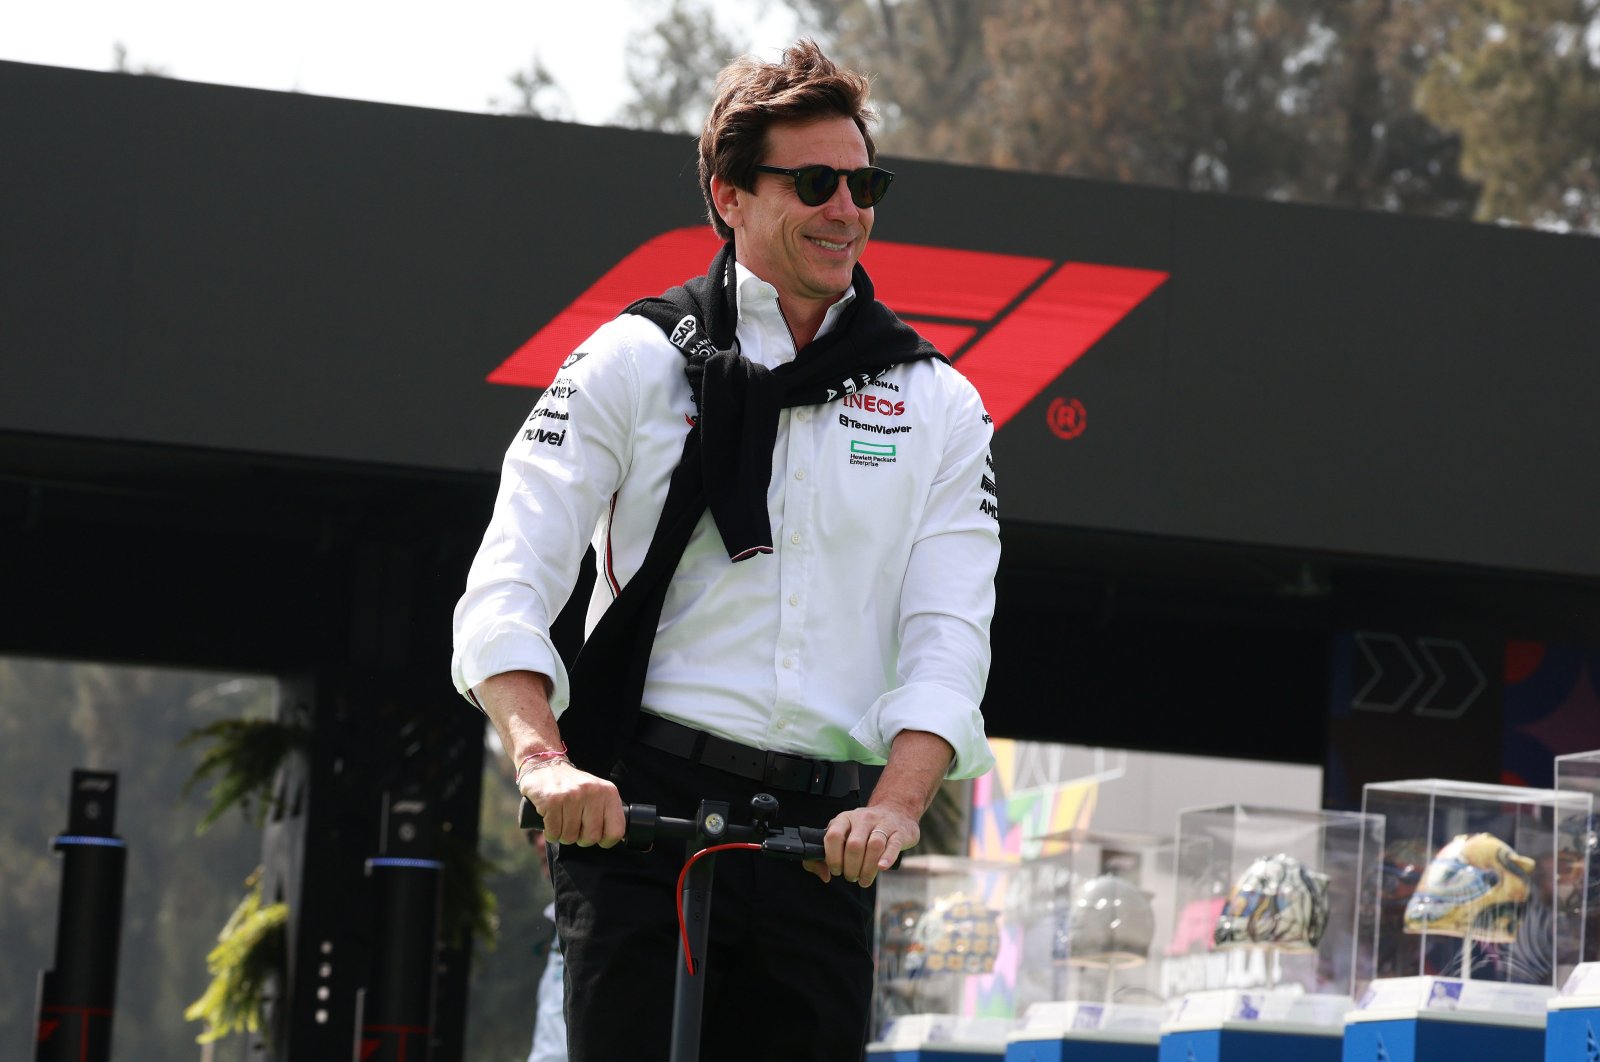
757,298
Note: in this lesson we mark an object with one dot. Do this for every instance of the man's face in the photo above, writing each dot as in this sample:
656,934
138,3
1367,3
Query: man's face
807,253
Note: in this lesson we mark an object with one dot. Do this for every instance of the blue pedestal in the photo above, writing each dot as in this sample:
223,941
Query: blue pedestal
1440,1039
1248,1045
1079,1049
1573,1035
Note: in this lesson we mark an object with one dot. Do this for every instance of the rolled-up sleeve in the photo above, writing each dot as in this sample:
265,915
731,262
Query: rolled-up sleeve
560,470
947,603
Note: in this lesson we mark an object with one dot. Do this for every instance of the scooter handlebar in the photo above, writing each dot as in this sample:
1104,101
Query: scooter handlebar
645,827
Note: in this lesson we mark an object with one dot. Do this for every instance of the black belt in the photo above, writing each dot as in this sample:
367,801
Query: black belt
775,770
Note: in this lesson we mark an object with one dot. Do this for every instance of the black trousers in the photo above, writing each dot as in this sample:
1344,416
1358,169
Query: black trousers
789,969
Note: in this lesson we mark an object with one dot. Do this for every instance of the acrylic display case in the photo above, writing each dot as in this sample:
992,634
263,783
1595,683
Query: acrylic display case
1476,924
1271,898
1093,934
966,948
1095,990
1477,882
1275,927
1578,879
1574,1014
1081,920
949,940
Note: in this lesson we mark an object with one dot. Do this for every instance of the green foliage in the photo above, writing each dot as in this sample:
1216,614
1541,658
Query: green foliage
1519,80
944,826
505,981
1287,99
672,68
59,715
535,94
243,759
469,906
1455,108
250,955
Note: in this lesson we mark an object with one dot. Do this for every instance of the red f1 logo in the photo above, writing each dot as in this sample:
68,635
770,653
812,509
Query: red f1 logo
1013,324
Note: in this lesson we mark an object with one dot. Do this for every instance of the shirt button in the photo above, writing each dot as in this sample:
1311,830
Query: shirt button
794,599
783,724
788,662
795,538
800,474
800,415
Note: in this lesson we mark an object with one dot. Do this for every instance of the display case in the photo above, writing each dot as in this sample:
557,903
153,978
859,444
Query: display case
1080,920
1578,879
1477,881
1476,924
1093,988
950,936
1574,1014
1275,926
1117,894
1274,899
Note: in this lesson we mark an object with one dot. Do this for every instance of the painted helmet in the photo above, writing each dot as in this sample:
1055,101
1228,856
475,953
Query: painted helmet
1476,886
1277,901
958,934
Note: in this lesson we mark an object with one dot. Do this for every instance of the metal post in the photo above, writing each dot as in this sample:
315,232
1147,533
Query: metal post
688,996
396,1007
77,996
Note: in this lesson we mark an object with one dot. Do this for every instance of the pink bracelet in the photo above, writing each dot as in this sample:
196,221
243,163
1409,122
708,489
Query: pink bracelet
544,759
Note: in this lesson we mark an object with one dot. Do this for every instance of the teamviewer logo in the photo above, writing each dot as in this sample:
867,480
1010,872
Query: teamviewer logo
1012,323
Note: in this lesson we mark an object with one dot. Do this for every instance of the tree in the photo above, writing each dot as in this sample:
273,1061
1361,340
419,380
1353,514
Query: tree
56,716
121,65
1519,80
1292,99
536,95
1455,108
673,67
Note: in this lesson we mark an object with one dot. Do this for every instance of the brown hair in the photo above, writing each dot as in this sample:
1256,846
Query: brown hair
803,85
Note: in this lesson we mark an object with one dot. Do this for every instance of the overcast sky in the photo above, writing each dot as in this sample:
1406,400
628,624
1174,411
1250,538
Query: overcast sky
454,54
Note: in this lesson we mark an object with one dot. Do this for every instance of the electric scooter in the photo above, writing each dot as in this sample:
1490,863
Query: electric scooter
709,832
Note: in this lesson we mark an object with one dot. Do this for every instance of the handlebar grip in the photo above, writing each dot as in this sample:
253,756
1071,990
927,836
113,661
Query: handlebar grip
642,827
527,817
636,815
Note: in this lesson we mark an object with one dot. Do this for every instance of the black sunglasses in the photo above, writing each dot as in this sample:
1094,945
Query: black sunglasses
815,185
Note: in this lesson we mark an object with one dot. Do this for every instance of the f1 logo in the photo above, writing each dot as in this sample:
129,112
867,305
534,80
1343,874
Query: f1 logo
1013,324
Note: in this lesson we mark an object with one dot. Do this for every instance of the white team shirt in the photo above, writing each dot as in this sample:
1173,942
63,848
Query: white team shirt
870,616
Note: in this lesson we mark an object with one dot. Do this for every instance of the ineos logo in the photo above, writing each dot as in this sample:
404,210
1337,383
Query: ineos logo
1067,418
874,404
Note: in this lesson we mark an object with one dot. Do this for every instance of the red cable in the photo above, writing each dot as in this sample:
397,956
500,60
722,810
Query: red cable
683,929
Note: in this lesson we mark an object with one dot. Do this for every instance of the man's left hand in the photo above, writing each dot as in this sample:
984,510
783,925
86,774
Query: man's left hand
862,842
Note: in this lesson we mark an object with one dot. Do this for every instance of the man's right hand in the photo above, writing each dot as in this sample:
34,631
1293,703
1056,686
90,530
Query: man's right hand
577,807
